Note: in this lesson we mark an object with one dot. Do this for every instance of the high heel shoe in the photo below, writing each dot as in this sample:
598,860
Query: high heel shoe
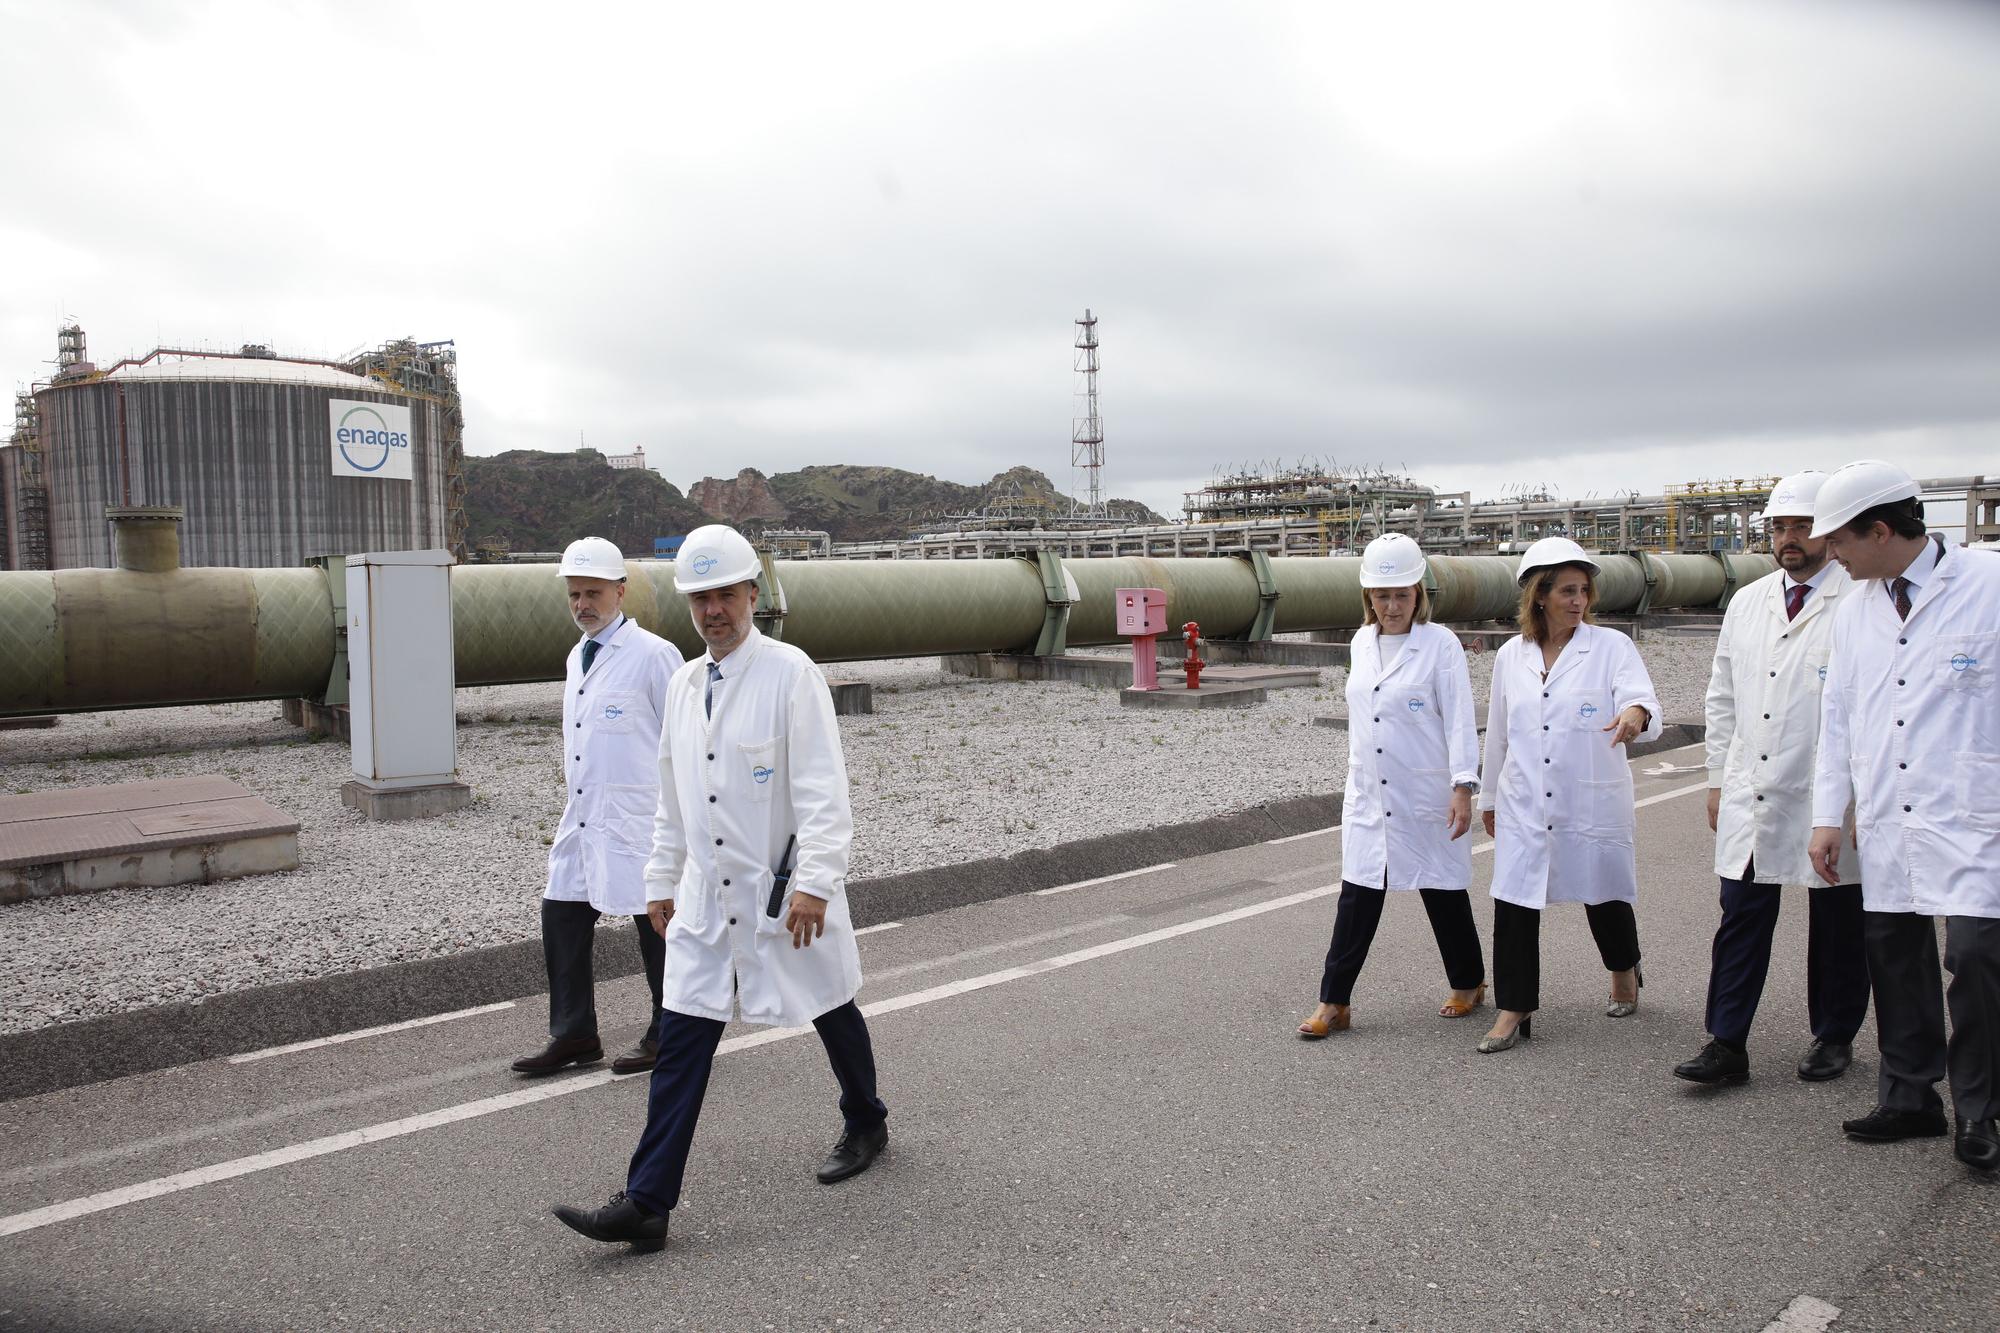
1457,1008
1626,1008
1490,1045
1315,1028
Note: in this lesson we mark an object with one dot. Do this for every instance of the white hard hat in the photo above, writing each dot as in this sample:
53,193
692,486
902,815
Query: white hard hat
1856,487
714,556
592,558
1392,561
1552,551
1793,497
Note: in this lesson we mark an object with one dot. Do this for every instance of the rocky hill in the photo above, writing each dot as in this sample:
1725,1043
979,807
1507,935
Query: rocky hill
535,501
530,500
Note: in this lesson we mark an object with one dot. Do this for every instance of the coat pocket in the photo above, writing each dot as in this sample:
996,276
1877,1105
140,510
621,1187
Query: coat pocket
758,767
1976,783
1967,662
612,713
628,819
1606,809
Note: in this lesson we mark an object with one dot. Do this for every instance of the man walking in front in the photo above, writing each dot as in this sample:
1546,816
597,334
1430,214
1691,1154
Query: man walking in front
746,883
1763,727
1910,738
614,692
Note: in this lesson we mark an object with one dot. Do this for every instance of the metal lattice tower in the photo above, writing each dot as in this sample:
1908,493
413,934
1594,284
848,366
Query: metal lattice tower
1087,431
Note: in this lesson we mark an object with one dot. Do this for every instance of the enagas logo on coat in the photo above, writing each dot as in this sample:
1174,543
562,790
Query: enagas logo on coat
1822,675
1963,662
761,774
612,712
1587,711
1416,705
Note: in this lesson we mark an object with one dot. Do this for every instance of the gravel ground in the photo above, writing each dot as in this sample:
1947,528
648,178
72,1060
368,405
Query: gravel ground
946,770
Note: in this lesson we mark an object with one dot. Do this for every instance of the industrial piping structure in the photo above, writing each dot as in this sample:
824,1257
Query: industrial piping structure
151,633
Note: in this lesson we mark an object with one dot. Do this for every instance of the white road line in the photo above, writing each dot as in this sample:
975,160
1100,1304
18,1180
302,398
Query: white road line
1806,1314
1669,795
359,1033
1314,833
1105,879
870,930
390,1129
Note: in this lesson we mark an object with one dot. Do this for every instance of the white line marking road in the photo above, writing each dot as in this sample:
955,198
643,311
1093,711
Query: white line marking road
1105,879
359,1033
106,1200
1806,1314
1275,842
870,930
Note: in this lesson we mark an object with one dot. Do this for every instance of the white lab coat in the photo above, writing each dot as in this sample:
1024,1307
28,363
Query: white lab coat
1411,734
733,788
1910,734
1561,793
1763,727
611,740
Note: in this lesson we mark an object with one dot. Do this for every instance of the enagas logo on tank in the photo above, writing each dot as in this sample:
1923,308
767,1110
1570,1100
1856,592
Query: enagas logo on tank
370,439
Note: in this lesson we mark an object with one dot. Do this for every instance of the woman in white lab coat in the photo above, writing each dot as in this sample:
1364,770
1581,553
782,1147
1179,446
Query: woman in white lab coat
1557,793
1412,756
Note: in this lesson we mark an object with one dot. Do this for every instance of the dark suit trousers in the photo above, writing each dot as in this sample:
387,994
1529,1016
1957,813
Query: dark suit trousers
1836,959
1909,1020
680,1082
568,931
1517,949
1360,913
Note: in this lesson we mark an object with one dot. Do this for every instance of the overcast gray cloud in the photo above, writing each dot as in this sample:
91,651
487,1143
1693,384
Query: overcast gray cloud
1597,246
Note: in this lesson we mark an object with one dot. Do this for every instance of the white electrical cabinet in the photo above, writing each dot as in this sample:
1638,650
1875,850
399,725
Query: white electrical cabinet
402,712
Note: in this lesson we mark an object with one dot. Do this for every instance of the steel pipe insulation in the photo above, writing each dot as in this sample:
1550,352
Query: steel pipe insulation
152,633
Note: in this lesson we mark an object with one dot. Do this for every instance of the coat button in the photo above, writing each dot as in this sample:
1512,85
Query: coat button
1551,795
1764,757
718,842
1378,719
725,883
1767,717
579,791
1774,675
1545,761
1378,689
711,800
1760,798
1551,828
1902,641
579,759
1378,749
1545,694
711,756
581,824
579,691
1899,680
1902,766
732,920
579,724
1387,813
1385,782
1899,721
1545,726
1906,809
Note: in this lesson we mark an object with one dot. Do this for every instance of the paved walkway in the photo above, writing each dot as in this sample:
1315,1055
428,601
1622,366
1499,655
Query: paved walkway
1099,1118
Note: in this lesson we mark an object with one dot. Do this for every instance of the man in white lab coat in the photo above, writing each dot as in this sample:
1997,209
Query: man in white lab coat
1763,724
746,882
1910,740
614,692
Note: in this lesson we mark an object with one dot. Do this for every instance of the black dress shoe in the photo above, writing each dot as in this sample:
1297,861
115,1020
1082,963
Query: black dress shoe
1886,1125
560,1055
854,1154
620,1221
1717,1063
1978,1143
1824,1060
639,1060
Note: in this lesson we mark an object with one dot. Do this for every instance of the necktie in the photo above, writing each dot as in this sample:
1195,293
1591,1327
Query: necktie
708,695
590,647
1795,598
1900,590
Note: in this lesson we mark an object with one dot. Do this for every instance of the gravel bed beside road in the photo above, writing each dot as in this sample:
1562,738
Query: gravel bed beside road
946,770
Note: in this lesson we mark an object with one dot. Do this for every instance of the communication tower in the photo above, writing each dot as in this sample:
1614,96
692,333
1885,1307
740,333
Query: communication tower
1087,431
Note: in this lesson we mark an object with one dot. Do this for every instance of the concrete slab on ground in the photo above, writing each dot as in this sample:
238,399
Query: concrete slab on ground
139,834
1116,672
1176,694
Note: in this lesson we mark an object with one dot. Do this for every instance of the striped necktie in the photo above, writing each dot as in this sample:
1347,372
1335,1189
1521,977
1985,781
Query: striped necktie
708,695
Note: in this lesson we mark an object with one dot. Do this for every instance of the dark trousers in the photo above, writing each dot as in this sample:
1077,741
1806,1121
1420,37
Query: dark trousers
680,1081
1836,959
1360,913
1909,1020
568,931
1517,949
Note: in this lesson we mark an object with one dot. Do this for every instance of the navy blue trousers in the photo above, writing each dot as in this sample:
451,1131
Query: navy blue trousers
680,1081
1836,959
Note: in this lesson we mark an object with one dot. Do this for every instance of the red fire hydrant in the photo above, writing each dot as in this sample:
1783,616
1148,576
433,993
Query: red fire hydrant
1191,632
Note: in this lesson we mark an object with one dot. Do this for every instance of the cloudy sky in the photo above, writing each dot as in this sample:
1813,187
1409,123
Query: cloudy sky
1587,245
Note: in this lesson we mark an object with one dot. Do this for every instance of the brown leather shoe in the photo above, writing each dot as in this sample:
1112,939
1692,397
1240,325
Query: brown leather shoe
1457,1008
1315,1028
639,1060
560,1055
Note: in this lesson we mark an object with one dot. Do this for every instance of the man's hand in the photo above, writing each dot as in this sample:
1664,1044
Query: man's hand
1486,821
1627,725
1460,819
1714,806
659,912
1825,852
806,920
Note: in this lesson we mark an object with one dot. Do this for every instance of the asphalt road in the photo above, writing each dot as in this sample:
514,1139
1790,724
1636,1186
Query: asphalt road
1099,1118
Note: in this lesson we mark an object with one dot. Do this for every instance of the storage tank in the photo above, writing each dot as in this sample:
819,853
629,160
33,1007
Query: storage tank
273,460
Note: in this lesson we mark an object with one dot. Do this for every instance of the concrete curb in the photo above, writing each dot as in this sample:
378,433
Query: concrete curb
93,1050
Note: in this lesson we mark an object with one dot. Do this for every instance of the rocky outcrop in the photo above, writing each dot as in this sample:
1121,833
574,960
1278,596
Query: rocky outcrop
747,501
529,500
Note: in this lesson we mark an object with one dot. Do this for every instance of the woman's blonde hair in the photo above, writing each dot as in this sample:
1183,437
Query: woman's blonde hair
1535,621
1421,616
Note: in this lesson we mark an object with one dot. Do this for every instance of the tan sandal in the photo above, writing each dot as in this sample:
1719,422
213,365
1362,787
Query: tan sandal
1315,1028
1457,1008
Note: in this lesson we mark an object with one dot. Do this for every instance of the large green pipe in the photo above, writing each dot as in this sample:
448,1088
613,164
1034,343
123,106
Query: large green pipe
152,633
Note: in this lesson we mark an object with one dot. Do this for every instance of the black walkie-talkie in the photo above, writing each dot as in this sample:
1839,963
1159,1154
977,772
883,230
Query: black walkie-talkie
782,878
